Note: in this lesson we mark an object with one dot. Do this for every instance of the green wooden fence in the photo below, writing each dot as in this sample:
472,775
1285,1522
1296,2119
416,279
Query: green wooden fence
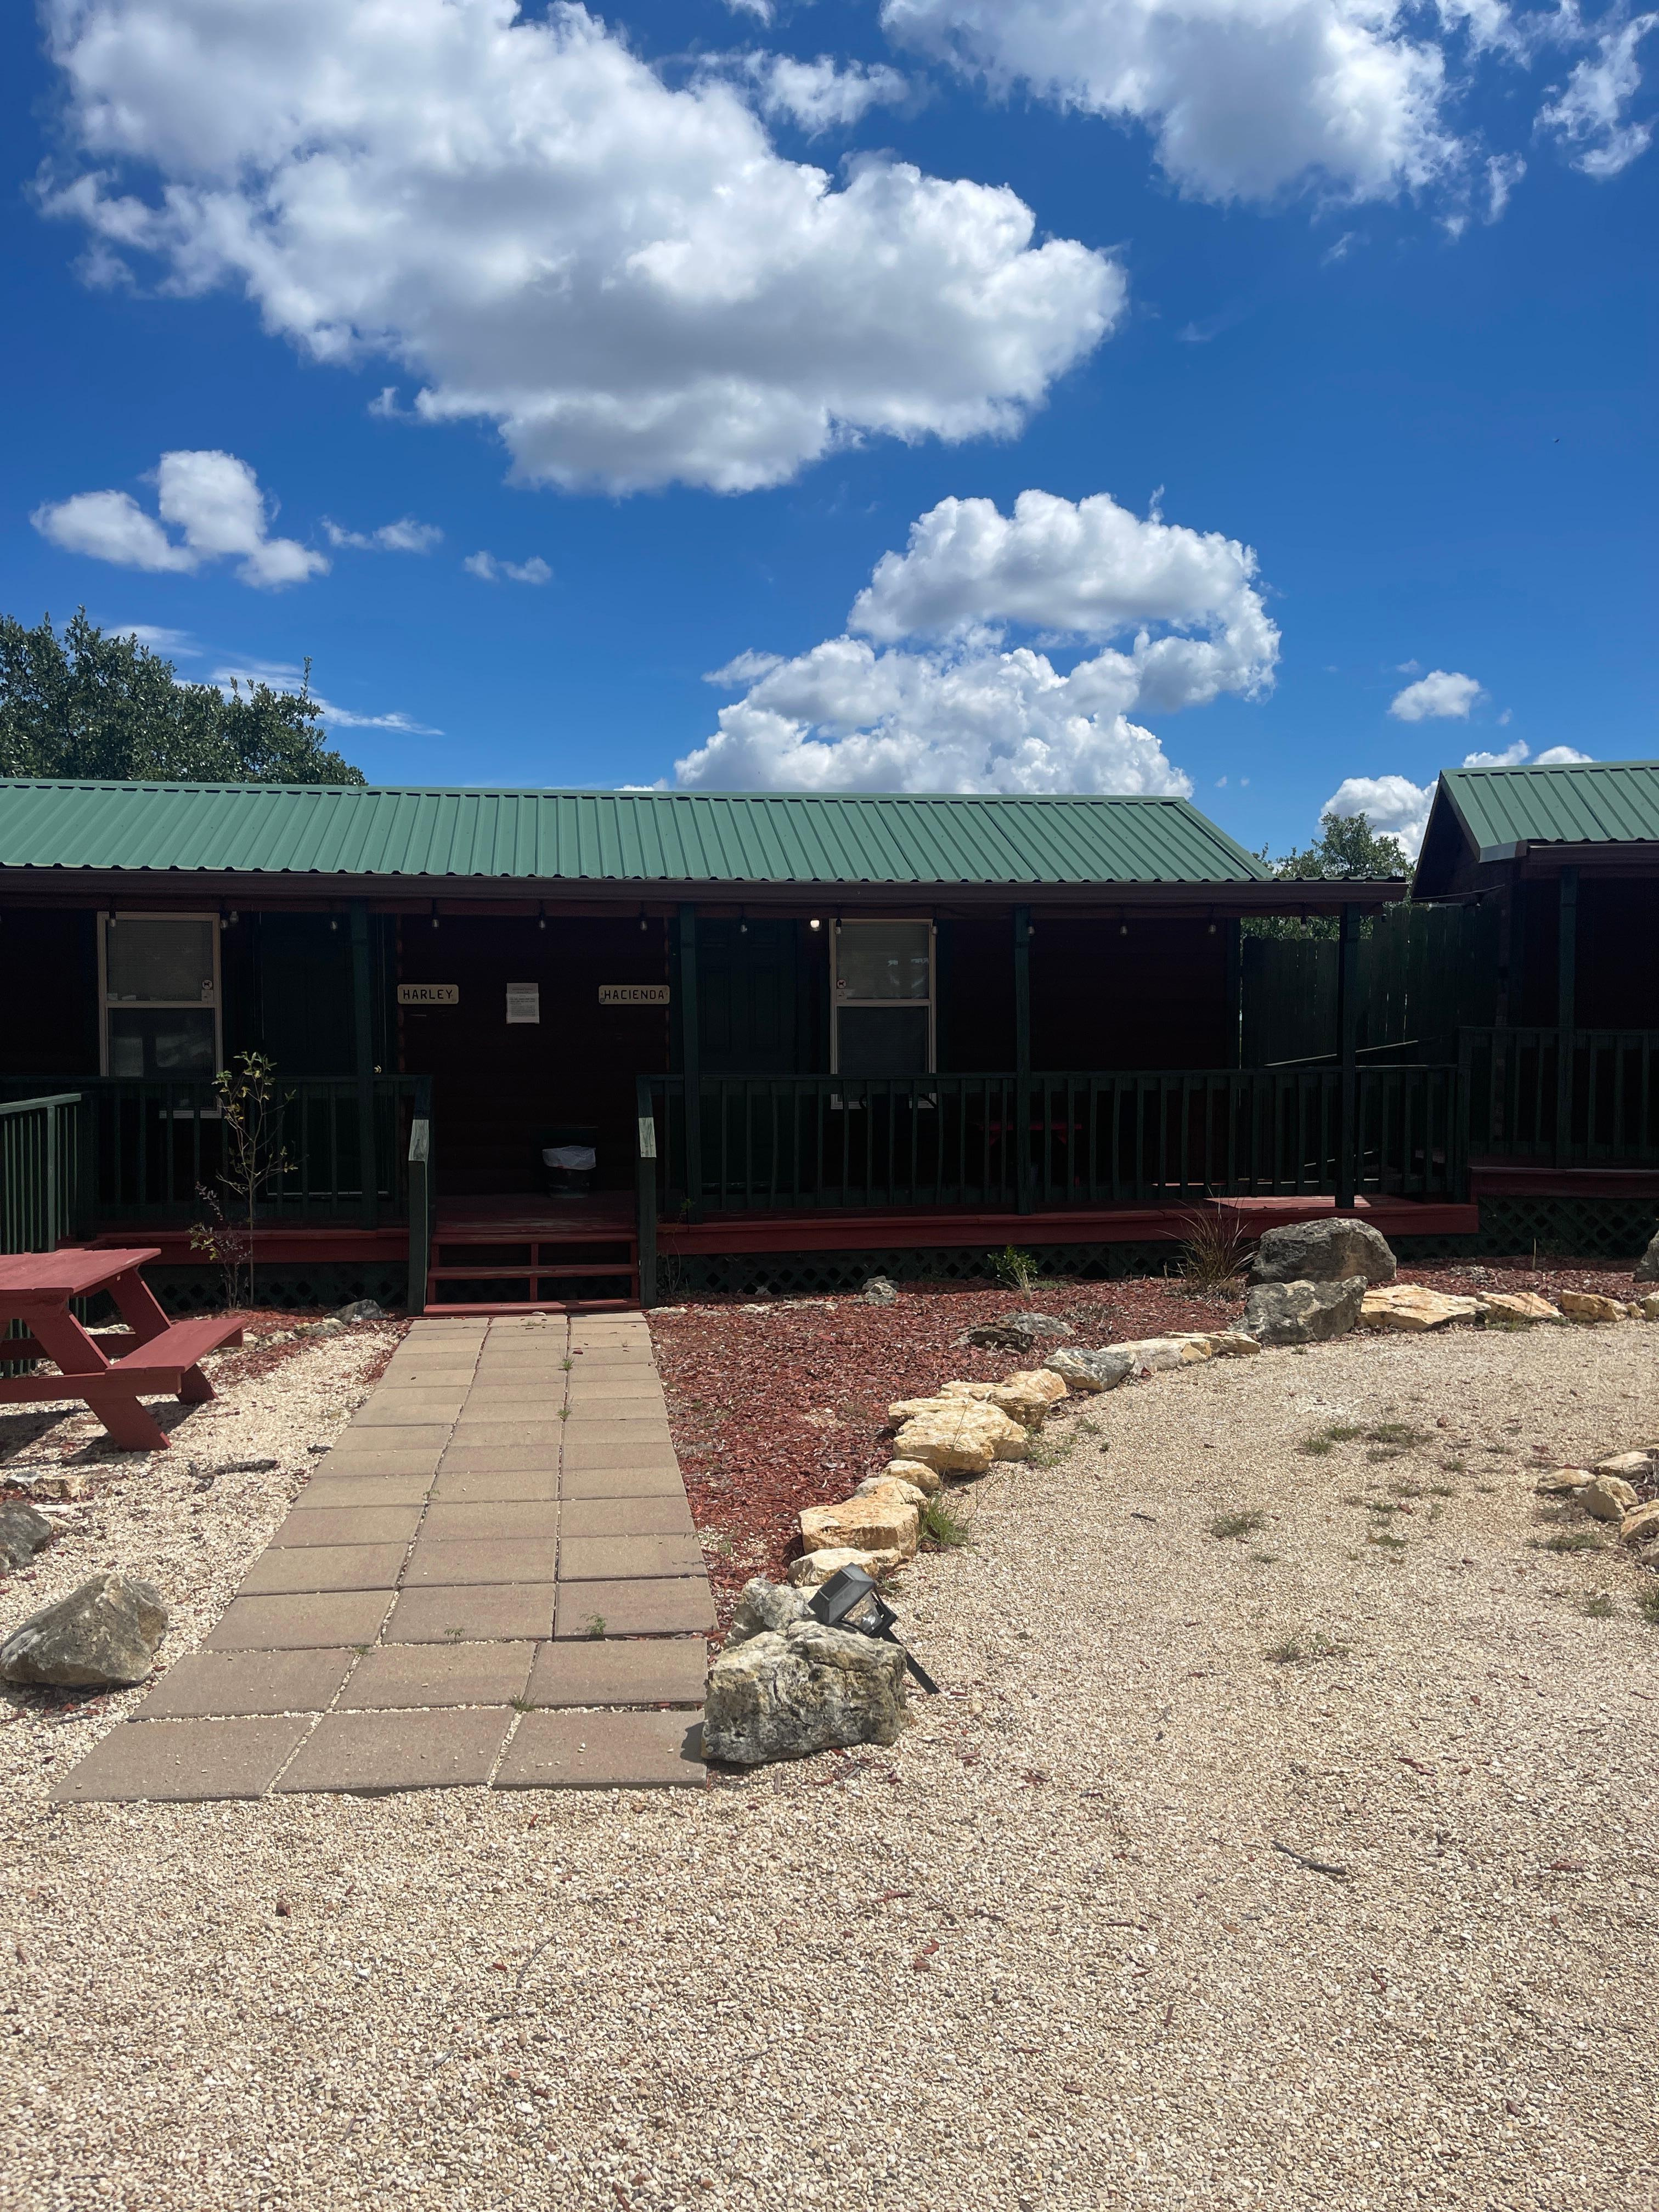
1423,973
149,1149
1596,1104
1003,1143
41,1172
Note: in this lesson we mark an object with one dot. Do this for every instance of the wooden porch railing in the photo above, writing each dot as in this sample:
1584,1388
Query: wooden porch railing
1596,1102
1002,1142
41,1172
148,1148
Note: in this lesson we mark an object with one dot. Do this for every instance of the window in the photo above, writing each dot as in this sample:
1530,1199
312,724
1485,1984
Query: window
883,1016
161,994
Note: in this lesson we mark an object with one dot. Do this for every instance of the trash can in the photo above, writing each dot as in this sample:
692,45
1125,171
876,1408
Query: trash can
568,1160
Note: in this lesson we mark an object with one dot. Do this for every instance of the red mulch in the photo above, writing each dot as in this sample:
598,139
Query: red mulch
740,1381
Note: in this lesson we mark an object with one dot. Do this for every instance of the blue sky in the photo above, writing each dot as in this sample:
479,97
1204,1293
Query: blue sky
1092,296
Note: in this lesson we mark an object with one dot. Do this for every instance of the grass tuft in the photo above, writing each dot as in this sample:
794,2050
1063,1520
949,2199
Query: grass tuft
942,1530
1014,1270
1212,1251
1569,1540
1323,1441
1227,1526
1600,1608
1647,1602
1294,1650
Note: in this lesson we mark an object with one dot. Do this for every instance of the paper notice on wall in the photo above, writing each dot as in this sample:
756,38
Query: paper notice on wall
524,1002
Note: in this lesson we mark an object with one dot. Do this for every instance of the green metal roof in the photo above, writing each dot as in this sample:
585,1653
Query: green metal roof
611,837
1577,803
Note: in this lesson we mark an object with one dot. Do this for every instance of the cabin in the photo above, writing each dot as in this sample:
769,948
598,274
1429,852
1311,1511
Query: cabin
1554,872
540,1047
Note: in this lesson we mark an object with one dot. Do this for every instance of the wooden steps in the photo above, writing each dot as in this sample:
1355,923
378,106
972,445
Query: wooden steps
512,1254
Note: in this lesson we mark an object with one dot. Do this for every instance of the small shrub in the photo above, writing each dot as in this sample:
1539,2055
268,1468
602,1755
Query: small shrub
1647,1602
1600,1608
1014,1270
1227,1526
941,1529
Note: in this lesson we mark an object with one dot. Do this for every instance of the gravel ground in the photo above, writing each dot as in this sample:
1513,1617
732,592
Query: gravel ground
1043,1952
192,1518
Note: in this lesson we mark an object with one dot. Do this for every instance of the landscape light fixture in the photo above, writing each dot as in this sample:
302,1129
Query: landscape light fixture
850,1599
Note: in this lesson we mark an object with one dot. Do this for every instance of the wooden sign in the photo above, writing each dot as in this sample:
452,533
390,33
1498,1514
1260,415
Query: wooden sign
633,994
428,994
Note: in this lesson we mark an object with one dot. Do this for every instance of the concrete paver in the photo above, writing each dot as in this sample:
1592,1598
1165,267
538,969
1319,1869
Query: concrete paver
373,1452
395,1676
299,1622
502,1456
603,1750
465,1485
625,1516
408,1409
529,1520
181,1761
462,1612
324,1567
369,1754
503,1559
610,1558
208,1684
634,1478
350,1524
329,1493
646,1670
635,1608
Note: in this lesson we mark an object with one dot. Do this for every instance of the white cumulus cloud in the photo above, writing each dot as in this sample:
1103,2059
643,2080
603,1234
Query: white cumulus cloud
1352,99
488,570
626,277
1396,807
285,676
213,502
822,94
1589,114
926,692
404,536
1443,694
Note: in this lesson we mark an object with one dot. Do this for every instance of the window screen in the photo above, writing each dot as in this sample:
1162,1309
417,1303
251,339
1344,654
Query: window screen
883,998
161,996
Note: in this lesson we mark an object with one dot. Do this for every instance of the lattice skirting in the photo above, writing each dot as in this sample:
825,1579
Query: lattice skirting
1611,1230
334,1283
811,1274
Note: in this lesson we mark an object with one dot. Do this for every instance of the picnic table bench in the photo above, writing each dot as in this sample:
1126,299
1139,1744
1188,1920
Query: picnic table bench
154,1357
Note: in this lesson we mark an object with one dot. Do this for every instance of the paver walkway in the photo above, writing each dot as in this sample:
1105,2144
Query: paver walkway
492,1578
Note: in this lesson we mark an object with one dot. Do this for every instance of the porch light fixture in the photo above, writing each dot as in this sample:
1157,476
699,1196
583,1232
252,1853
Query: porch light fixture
743,923
435,914
1123,929
815,923
642,921
850,1599
541,917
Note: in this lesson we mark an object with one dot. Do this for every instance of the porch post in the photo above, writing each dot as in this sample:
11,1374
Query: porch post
1023,1058
1565,1012
1347,1021
1234,988
690,1066
362,1037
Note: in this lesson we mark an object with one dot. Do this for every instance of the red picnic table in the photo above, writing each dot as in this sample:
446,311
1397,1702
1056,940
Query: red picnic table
157,1358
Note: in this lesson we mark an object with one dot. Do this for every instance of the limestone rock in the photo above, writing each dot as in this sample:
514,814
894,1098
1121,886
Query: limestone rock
1641,1524
764,1609
891,1485
1161,1355
1092,1370
1646,1269
1629,1467
1518,1305
1606,1498
878,1291
23,1532
809,1688
1302,1312
1586,1305
958,1436
1322,1252
816,1567
1020,1331
1025,1397
1648,1307
1563,1481
1411,1308
1229,1343
100,1636
913,1470
862,1524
